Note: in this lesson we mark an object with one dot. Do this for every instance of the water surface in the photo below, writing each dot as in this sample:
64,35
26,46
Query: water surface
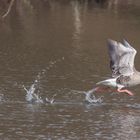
60,47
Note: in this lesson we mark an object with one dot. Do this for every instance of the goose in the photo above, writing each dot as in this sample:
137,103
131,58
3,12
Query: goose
124,74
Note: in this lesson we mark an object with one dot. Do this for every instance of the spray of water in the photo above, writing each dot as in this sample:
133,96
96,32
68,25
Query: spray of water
33,93
51,100
90,98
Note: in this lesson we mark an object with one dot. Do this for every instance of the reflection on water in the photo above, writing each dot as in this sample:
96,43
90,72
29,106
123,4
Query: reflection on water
51,53
77,20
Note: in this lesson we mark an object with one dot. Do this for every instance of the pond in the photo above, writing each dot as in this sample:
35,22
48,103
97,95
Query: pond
52,52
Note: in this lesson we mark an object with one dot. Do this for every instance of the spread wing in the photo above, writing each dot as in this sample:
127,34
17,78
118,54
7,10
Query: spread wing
121,58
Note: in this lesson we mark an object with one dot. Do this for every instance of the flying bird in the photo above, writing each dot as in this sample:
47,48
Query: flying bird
124,74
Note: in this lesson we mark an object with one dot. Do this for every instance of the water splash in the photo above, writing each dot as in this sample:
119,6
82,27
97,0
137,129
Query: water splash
34,97
33,93
90,98
34,90
31,96
52,63
50,101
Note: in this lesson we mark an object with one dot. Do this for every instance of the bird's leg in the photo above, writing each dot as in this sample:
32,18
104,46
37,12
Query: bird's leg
125,91
108,89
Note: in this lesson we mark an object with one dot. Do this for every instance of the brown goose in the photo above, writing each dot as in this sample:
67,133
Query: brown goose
124,74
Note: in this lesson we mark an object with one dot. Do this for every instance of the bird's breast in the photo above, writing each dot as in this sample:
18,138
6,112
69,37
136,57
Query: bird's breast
123,80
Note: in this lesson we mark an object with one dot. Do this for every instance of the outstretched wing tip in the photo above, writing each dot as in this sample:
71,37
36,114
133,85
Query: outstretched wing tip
122,57
126,44
110,40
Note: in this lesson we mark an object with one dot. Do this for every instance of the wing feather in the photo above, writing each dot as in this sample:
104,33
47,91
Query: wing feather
121,58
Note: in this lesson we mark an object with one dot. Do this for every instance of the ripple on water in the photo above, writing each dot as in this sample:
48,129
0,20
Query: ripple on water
134,106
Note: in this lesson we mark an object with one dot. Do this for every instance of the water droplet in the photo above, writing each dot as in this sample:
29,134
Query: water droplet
90,98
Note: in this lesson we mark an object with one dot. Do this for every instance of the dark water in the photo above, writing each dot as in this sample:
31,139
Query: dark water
59,46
